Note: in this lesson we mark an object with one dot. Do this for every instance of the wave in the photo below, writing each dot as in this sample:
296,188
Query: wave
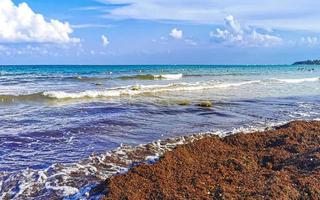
177,76
120,92
89,79
153,77
141,89
24,97
298,80
134,90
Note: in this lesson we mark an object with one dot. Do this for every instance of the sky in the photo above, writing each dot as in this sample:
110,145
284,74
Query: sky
113,32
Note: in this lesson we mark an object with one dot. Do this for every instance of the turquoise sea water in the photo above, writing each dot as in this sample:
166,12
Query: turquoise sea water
63,114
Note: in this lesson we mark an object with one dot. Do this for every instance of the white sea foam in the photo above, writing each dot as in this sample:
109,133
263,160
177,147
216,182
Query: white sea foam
298,80
169,76
142,89
227,85
67,190
84,94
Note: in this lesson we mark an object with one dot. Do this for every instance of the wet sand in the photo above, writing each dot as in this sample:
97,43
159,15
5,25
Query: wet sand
283,163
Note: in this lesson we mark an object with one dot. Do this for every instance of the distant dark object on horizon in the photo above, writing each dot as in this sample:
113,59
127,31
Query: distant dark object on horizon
308,62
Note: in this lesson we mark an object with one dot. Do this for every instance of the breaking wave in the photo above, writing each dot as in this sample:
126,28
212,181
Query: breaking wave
134,90
120,92
298,80
141,89
153,77
24,97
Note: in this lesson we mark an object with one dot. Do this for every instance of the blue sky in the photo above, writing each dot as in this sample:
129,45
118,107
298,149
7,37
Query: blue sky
158,31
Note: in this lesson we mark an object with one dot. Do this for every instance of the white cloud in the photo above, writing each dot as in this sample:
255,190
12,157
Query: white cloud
284,14
105,40
176,34
82,26
88,8
310,41
31,50
163,38
234,33
21,24
191,42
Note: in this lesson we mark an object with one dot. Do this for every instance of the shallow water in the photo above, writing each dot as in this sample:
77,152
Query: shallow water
63,114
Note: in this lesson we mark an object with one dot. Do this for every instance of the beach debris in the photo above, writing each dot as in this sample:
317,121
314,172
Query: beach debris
135,87
253,166
183,102
205,104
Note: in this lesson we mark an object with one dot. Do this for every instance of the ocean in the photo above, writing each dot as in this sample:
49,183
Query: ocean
59,121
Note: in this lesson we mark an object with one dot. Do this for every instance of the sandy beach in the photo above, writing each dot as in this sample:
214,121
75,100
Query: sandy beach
283,163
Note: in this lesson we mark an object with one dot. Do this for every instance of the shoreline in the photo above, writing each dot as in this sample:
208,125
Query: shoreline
279,163
81,179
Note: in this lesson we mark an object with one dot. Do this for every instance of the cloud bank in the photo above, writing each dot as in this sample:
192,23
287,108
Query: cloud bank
284,14
234,33
21,24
